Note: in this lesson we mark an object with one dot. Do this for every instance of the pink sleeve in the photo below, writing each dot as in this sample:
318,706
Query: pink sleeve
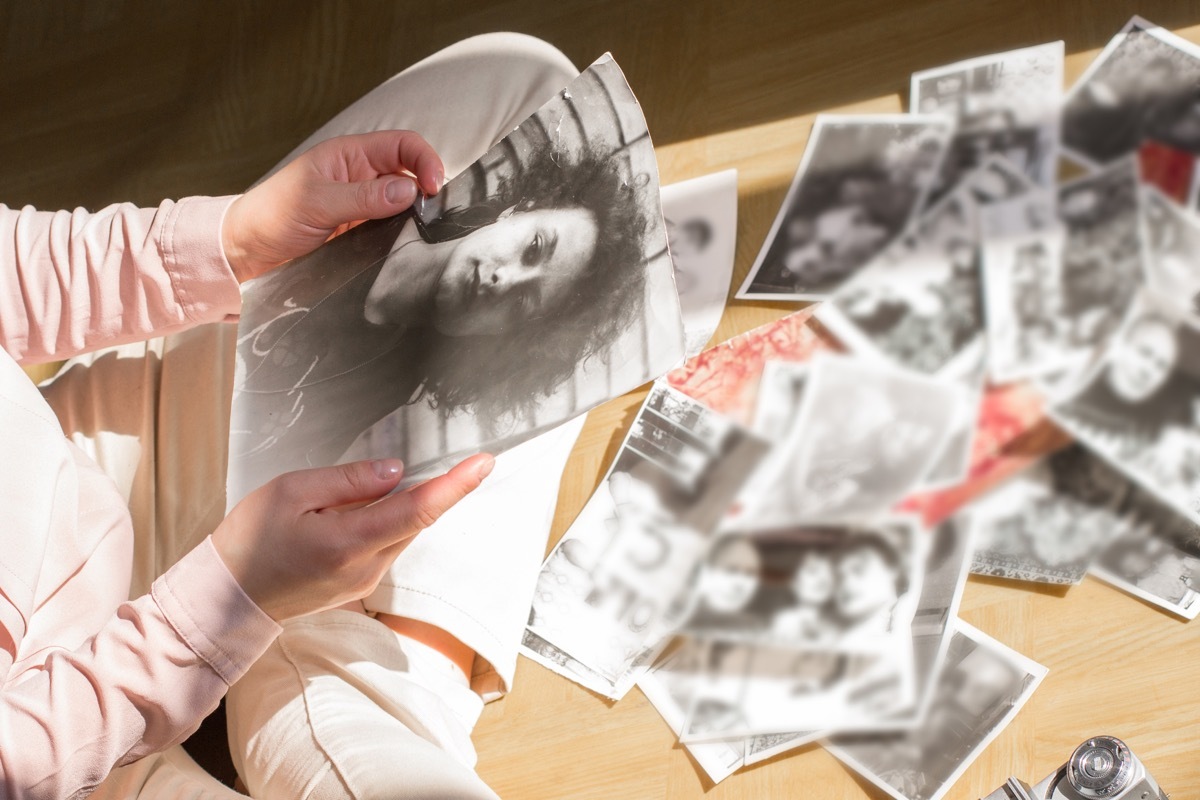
145,682
76,281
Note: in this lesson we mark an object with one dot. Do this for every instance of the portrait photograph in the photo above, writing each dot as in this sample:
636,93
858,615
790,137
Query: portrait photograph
982,686
1004,103
1139,407
701,220
858,185
1145,84
536,285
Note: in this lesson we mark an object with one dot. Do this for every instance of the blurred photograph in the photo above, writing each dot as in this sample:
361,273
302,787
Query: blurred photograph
701,220
947,564
843,589
669,686
1049,523
538,285
1140,406
866,435
920,304
1144,85
981,687
1004,103
1027,334
1172,252
609,593
858,185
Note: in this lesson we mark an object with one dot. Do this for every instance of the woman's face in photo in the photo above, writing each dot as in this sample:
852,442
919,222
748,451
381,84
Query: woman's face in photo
813,581
1142,360
730,578
513,270
866,583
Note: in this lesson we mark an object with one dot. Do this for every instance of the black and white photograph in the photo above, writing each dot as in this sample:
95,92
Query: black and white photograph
1067,319
1140,406
1142,86
748,689
828,589
1049,523
555,659
610,592
538,285
947,563
701,220
1172,251
981,687
866,435
1005,103
1022,263
669,686
858,185
1155,555
780,396
920,304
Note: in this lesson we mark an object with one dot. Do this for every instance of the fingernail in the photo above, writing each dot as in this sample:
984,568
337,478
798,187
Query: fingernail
439,179
486,468
400,191
387,469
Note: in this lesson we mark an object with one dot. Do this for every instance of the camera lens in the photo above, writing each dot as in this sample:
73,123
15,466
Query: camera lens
1100,767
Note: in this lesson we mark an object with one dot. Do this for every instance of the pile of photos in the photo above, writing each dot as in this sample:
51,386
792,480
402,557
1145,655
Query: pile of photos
777,554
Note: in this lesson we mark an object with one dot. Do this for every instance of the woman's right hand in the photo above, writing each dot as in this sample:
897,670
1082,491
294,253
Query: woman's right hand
305,542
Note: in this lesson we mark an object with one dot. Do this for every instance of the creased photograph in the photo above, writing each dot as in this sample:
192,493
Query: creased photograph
859,183
1048,523
612,590
701,220
866,435
536,285
1004,103
982,686
1140,406
920,304
1141,86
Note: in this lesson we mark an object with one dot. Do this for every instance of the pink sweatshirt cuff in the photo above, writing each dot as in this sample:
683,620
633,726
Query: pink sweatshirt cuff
212,613
190,242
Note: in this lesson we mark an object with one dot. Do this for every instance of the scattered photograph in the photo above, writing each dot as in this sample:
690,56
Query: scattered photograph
1005,103
548,289
981,687
1140,406
1023,285
946,566
920,304
610,593
1142,86
866,435
1049,523
828,589
669,687
701,220
1172,252
749,689
538,650
858,185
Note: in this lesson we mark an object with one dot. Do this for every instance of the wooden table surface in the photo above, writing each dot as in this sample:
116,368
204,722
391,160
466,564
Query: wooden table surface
1116,664
139,100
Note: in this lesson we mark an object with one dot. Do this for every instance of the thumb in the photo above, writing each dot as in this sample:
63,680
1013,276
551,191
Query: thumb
380,197
331,487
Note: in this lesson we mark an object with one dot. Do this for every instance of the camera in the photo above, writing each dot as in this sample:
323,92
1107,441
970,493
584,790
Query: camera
1102,768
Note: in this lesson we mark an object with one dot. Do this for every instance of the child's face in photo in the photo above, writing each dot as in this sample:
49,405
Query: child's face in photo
730,578
813,581
866,583
1142,360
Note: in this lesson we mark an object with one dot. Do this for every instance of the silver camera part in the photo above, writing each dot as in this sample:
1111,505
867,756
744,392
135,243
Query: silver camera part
1102,768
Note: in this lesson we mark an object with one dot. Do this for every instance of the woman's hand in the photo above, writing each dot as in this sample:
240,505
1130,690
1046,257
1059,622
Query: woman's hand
307,541
324,191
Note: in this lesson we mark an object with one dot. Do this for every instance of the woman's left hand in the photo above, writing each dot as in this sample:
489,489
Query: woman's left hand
323,192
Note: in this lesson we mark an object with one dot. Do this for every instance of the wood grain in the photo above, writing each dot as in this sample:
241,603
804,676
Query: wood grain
139,100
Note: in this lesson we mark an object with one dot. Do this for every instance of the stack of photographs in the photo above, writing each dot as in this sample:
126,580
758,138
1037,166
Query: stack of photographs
1001,378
